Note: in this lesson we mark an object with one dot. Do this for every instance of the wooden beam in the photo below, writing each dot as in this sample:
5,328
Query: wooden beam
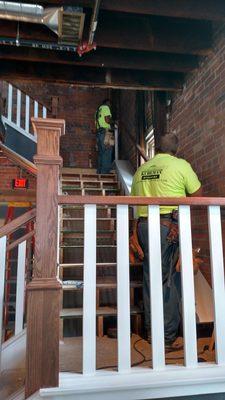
18,160
158,34
200,9
127,31
115,78
107,58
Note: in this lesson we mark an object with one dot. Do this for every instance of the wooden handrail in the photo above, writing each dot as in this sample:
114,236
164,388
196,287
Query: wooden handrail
18,196
144,201
142,152
17,222
20,240
31,97
19,160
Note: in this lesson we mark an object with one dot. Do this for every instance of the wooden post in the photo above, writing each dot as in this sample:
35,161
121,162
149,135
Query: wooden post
43,292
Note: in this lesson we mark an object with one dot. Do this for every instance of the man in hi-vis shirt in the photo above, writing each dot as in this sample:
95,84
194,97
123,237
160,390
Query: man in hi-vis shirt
103,120
164,176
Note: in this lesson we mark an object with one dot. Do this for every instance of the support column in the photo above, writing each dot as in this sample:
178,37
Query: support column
43,292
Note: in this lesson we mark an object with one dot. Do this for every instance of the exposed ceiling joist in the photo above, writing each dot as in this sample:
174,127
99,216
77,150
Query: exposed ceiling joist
133,33
154,34
213,10
105,58
94,77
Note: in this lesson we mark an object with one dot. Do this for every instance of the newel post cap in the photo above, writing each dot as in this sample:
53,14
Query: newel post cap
48,131
48,124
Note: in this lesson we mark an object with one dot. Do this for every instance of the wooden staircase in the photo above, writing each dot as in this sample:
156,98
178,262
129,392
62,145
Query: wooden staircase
71,257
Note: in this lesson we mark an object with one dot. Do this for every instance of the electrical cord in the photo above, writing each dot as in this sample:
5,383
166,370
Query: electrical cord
144,359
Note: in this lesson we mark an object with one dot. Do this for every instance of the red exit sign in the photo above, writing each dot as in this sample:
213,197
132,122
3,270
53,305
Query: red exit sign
20,183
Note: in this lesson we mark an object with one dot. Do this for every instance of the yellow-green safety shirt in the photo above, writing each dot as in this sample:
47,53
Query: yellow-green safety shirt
103,111
164,176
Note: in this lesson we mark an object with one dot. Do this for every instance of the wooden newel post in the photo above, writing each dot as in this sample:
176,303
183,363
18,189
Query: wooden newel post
43,293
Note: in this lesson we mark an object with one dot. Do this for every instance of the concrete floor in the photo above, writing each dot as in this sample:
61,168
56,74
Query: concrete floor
71,359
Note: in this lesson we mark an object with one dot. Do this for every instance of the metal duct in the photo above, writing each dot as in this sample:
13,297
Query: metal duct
68,25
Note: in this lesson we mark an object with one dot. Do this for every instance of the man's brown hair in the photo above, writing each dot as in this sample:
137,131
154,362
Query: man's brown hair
168,144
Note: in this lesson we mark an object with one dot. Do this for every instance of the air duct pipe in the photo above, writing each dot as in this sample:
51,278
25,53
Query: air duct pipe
66,24
32,13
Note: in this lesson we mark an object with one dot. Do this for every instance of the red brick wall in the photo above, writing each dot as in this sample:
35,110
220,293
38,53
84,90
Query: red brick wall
77,105
198,117
8,172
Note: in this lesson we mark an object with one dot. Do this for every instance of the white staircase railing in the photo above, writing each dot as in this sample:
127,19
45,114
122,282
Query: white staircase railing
156,299
20,108
23,259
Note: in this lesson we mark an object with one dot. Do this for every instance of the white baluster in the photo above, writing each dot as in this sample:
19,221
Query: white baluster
156,295
35,109
44,112
123,289
27,114
116,143
10,98
18,108
217,266
89,293
2,284
20,287
188,294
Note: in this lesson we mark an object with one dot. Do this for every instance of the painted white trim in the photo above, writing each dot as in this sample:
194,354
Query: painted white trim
217,268
116,134
18,108
123,289
3,242
140,384
89,292
19,129
125,173
10,97
156,292
44,112
27,114
20,287
35,109
188,293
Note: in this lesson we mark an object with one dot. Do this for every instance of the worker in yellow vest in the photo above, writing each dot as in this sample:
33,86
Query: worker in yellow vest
103,122
164,176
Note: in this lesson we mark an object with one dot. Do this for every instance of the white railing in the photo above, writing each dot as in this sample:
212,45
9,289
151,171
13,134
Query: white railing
23,259
20,108
156,297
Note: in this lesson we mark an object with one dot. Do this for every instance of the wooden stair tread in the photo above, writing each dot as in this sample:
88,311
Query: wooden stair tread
77,180
82,231
81,246
103,285
80,265
91,189
81,219
105,311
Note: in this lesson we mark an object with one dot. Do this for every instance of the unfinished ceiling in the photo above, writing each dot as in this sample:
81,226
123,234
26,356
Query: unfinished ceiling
144,44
